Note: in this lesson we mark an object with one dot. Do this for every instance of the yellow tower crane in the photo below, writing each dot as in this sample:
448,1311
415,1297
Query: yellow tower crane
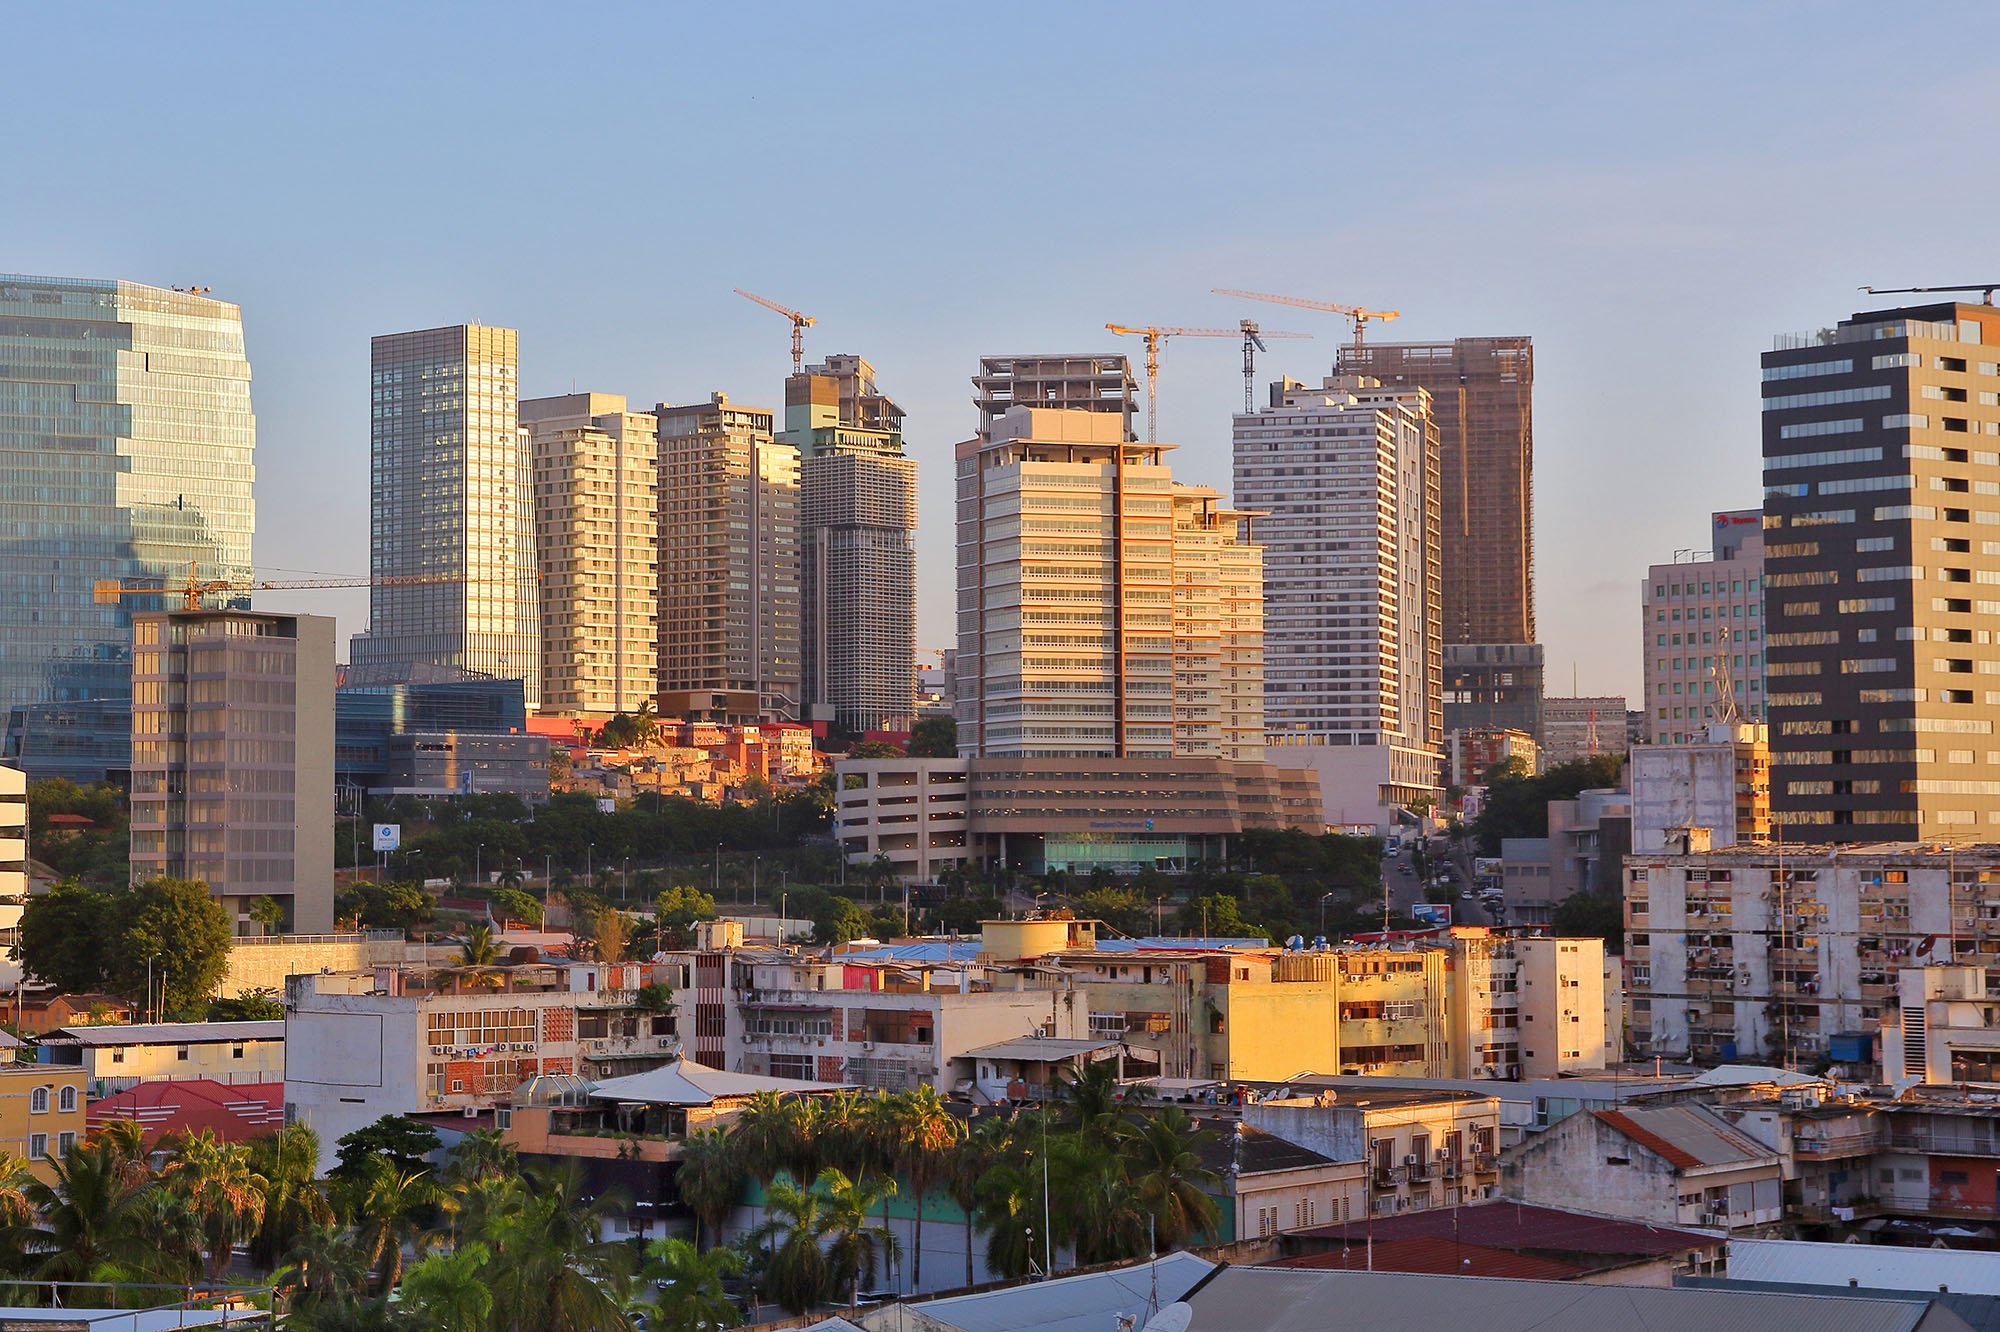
1156,334
1353,312
800,323
109,591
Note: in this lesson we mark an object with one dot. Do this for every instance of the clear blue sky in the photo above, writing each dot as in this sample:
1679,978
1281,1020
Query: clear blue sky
1650,191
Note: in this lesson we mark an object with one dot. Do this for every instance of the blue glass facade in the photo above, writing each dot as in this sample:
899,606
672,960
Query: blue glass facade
126,452
366,716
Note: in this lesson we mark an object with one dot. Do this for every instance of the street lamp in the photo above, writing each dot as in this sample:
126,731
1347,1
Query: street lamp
479,862
1323,899
718,869
753,879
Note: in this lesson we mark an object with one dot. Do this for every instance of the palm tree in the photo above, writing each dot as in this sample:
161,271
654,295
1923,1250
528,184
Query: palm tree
925,1134
125,1138
17,1214
1091,1207
710,1180
479,1209
482,1154
763,1135
94,1214
511,876
1090,1099
288,1160
855,1242
325,1268
447,1291
691,1297
555,1269
1170,1182
386,1208
214,1181
1010,1209
797,1275
479,951
984,1145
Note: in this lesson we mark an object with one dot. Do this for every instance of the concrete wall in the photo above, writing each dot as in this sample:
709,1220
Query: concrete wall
1683,786
354,1058
113,1068
266,963
1560,984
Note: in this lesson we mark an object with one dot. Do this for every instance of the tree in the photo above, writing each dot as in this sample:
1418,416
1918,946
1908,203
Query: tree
1170,1184
483,1154
1217,916
1517,802
680,907
855,1242
797,1275
479,948
554,1270
288,1160
763,1135
1120,908
710,1180
324,1271
656,997
923,1136
984,1146
874,749
511,904
181,930
401,1143
387,1208
266,911
839,920
1090,1100
225,1196
449,1292
63,937
934,737
691,1298
1589,915
260,1004
96,1214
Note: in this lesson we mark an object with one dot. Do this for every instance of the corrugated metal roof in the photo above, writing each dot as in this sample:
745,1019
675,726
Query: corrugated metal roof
177,1033
1040,1047
1505,1224
1435,1256
1278,1299
1882,1266
1688,1135
1088,1303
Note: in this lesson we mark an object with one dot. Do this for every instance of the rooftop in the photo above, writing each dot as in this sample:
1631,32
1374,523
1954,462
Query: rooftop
1234,1148
167,1033
1690,1136
1879,1266
1090,1302
1525,1226
1438,1256
684,1082
1048,1048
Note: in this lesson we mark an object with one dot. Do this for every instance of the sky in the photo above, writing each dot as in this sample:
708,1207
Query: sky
1650,191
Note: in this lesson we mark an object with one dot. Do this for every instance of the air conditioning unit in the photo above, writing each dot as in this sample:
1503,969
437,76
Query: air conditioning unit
470,1112
1411,1159
439,1049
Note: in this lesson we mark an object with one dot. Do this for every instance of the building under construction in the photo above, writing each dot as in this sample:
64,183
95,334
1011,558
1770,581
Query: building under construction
1081,382
1482,393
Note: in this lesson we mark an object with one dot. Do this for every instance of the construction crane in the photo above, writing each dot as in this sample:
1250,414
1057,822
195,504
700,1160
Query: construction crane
109,591
1253,342
1353,312
800,323
1985,290
1156,334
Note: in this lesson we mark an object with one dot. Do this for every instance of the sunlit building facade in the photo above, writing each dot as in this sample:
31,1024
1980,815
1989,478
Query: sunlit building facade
126,452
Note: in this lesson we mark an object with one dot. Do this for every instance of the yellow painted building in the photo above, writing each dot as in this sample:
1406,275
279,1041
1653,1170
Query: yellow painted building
113,1058
41,1112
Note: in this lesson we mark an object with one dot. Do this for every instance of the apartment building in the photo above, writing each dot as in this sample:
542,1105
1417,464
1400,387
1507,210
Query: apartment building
1069,382
1944,1028
728,620
1768,952
41,1114
1346,476
1420,1148
1719,782
596,488
13,866
451,521
1493,686
1469,754
1105,611
1676,1165
1879,464
858,571
364,1044
1701,623
232,759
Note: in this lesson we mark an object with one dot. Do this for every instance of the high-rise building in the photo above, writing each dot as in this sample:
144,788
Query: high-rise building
1701,622
452,511
1493,686
1482,398
1582,727
1104,611
1347,476
126,452
858,570
1880,471
232,758
1720,782
729,564
1082,382
596,470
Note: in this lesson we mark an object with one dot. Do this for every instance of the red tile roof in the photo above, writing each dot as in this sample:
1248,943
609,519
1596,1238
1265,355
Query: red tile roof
1508,1225
1437,1255
235,1111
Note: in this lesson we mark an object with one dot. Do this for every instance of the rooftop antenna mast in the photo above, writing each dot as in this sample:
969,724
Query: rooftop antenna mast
1985,290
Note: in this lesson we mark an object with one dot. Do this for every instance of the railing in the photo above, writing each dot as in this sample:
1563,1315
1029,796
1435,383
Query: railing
1928,1140
361,936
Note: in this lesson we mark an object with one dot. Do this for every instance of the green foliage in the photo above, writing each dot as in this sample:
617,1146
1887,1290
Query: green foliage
837,920
691,1298
1588,915
267,912
1218,916
680,907
934,737
400,1143
97,853
1120,908
63,937
259,1005
514,905
656,997
874,749
182,930
387,906
1517,803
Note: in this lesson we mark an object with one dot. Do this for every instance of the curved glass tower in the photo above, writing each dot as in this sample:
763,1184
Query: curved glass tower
126,443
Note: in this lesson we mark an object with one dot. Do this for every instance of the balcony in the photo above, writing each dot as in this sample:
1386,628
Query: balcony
1388,1177
1834,1145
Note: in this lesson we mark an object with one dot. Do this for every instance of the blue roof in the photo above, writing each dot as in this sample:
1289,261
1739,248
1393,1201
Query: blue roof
922,950
1127,945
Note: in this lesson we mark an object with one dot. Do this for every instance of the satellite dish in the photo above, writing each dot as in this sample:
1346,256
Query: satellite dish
1173,1318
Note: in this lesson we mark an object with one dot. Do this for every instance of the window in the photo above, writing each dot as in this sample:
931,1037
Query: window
64,1141
181,1054
38,1101
66,1100
38,1146
236,1052
117,1056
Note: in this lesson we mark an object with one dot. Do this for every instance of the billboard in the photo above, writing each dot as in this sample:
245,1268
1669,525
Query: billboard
388,836
1432,913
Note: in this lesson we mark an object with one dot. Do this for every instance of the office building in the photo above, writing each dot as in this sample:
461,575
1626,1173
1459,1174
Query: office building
232,758
858,570
1093,618
1345,479
596,477
1482,401
728,621
1720,783
1490,686
1701,623
1766,953
1880,461
1071,383
126,452
452,512
365,717
1581,728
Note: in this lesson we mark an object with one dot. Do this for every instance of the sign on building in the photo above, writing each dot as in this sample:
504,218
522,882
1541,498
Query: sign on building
388,836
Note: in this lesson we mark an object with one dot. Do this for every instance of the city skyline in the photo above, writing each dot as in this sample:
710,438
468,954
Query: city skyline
1622,195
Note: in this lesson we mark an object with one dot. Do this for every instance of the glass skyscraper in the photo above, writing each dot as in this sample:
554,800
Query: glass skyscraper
452,512
126,443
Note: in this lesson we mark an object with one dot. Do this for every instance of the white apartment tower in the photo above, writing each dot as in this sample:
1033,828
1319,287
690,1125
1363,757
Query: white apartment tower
1104,611
596,543
1346,475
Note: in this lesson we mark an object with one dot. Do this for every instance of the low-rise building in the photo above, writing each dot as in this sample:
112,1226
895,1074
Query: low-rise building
390,1042
41,1113
1944,1027
1675,1165
1419,1149
116,1057
1470,754
1586,842
1269,1185
233,1112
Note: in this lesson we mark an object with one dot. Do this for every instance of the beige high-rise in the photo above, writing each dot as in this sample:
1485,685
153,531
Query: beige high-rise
1093,617
596,545
728,629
